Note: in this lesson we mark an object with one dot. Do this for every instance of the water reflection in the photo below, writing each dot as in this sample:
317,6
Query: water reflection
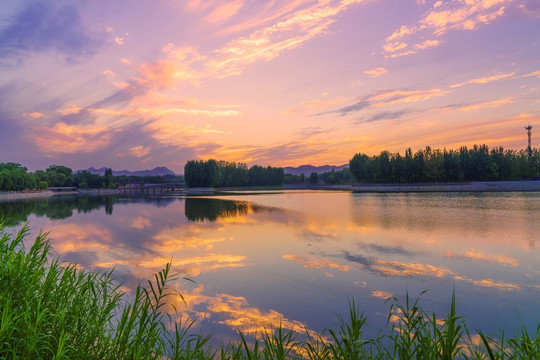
209,209
296,258
15,212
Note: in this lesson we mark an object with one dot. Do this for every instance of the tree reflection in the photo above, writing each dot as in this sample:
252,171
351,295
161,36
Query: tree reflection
15,212
201,209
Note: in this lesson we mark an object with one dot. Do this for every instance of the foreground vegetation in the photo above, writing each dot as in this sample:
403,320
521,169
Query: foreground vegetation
50,310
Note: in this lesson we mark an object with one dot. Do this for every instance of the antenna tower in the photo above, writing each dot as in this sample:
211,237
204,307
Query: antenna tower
529,133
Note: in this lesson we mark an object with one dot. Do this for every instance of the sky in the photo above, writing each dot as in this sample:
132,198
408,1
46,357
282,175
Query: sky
135,84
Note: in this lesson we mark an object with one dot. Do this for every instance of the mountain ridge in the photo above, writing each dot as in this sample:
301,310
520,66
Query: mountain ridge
157,171
308,169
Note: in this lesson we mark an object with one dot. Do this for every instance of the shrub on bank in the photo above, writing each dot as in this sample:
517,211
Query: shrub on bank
52,311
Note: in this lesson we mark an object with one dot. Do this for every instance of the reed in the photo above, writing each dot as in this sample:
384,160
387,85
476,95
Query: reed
49,310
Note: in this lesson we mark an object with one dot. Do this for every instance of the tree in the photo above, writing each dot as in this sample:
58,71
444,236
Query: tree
476,164
360,167
108,181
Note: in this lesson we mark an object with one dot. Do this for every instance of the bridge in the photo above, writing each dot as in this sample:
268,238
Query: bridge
152,188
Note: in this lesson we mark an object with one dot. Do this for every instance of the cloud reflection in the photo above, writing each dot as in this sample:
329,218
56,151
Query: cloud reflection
235,312
310,262
476,254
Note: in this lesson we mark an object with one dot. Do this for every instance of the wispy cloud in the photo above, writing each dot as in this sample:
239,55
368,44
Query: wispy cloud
476,105
427,44
442,17
396,268
315,104
406,113
475,254
491,283
140,151
388,97
268,43
64,138
34,115
183,65
381,294
264,44
311,262
386,115
484,80
300,149
376,72
72,109
224,11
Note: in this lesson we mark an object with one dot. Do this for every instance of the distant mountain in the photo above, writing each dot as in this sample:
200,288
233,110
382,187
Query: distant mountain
158,171
308,169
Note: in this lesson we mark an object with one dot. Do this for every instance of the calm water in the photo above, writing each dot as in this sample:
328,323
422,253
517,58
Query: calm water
299,256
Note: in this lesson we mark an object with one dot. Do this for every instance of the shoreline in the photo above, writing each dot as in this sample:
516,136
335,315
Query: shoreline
480,186
496,186
15,195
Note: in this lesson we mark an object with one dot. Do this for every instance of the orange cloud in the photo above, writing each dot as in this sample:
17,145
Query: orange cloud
64,138
484,80
176,239
476,254
376,72
395,46
397,96
201,264
72,237
225,11
269,11
446,16
250,320
427,44
269,42
139,151
235,312
72,109
476,106
381,294
264,44
395,268
192,266
401,32
33,115
500,285
166,73
141,223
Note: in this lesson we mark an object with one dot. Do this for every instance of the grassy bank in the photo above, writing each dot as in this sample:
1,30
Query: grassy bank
50,310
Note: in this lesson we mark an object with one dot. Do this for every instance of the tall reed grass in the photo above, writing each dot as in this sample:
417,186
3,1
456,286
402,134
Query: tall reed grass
49,310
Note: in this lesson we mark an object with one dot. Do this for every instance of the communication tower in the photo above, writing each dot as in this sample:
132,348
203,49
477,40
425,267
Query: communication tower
529,133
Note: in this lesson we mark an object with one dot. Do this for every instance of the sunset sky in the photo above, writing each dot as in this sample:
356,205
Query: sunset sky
133,84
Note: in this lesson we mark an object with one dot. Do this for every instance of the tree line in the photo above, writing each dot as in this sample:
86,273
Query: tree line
15,177
213,173
478,163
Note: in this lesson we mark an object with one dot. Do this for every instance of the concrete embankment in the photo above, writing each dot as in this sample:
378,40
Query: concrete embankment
466,187
15,195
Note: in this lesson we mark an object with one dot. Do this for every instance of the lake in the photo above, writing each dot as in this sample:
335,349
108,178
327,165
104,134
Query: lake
258,259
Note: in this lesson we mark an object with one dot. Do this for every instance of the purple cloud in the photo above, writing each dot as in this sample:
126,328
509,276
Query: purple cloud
42,26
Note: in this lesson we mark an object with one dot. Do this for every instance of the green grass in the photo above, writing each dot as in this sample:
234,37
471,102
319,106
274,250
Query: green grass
49,310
